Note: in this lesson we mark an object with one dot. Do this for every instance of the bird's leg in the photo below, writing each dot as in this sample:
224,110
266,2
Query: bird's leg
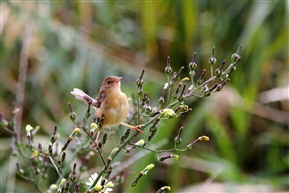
136,128
96,143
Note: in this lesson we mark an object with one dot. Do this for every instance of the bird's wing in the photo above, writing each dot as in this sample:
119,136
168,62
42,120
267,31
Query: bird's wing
100,98
82,96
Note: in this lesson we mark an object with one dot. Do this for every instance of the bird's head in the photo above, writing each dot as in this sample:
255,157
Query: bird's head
111,82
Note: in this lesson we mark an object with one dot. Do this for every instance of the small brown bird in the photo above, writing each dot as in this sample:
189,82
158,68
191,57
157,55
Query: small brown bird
111,103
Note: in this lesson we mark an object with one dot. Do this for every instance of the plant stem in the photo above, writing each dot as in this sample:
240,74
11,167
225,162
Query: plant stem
212,71
122,146
65,169
91,138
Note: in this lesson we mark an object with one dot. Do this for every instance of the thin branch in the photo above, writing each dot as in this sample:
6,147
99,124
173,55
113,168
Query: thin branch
55,166
91,138
22,76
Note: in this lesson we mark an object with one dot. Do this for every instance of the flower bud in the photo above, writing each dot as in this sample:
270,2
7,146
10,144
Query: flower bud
235,57
72,114
28,129
63,180
168,69
208,91
35,154
50,150
224,77
94,126
77,187
63,156
112,154
139,81
212,60
109,184
76,130
201,79
53,187
53,136
185,79
220,86
167,113
140,91
219,70
147,106
162,97
176,157
181,95
140,143
144,98
193,64
163,158
142,173
176,75
162,189
189,147
147,168
178,138
40,148
175,94
87,113
97,187
72,176
204,138
161,100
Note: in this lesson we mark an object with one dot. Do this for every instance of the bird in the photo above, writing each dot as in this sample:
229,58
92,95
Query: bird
111,103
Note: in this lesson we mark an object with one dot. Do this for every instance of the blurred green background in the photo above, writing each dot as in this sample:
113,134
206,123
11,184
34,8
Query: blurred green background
59,45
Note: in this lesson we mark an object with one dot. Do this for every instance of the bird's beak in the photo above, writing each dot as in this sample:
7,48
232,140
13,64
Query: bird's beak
118,79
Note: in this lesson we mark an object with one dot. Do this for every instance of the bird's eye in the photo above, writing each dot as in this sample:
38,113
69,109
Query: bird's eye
109,81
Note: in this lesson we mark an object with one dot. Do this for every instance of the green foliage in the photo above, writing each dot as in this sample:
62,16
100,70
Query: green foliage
78,44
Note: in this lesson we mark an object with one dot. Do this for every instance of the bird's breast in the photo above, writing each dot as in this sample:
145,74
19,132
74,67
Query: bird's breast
114,108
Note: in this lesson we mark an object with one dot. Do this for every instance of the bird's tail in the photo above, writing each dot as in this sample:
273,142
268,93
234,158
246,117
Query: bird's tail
82,96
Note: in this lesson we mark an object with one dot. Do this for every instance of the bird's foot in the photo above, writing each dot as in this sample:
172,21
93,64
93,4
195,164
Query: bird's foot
138,128
135,128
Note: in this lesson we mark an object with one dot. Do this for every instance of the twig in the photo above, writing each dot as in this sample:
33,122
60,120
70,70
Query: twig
22,76
55,166
120,149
